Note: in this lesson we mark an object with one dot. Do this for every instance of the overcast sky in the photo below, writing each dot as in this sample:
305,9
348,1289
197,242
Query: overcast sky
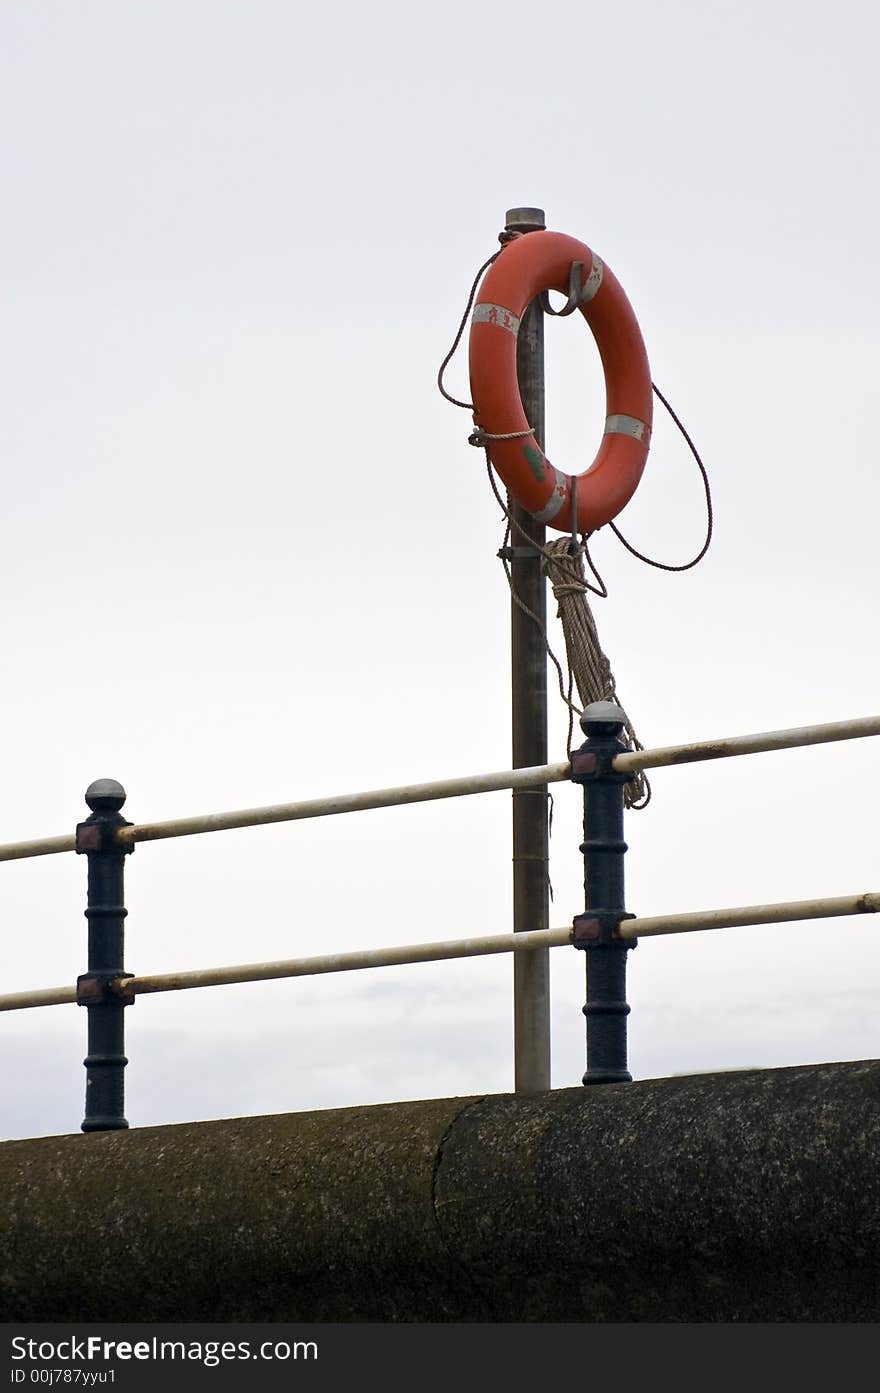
249,557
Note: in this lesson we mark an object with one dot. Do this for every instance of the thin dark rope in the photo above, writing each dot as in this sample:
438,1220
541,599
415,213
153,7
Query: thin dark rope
662,565
601,589
517,598
467,405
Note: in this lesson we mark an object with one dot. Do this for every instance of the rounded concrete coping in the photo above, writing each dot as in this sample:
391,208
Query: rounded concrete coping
750,1196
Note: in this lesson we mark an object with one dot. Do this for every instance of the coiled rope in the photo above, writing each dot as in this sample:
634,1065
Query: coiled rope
562,561
587,662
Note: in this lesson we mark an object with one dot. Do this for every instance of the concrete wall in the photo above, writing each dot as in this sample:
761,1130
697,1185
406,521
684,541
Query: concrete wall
749,1196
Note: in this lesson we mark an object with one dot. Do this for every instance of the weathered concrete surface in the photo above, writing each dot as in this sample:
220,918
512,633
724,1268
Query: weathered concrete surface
322,1216
750,1196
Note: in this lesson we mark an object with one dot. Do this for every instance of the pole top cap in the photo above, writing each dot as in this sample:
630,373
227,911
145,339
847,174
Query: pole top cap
105,796
601,717
525,219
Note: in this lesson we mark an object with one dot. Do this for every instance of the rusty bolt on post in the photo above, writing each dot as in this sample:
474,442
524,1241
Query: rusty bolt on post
106,1003
603,851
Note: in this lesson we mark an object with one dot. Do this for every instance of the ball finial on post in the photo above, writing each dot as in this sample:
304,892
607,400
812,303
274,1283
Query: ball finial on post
601,717
105,796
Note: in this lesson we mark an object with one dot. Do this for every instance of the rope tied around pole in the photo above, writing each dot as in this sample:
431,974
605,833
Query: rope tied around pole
479,436
587,663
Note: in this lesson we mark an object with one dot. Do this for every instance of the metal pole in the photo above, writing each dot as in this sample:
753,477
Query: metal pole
531,907
98,989
603,850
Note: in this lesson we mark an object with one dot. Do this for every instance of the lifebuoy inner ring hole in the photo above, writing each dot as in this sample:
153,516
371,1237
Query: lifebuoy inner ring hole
574,391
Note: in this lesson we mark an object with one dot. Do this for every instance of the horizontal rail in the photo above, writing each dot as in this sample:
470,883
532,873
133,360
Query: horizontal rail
456,788
309,967
43,996
786,912
748,744
348,803
40,846
349,962
310,807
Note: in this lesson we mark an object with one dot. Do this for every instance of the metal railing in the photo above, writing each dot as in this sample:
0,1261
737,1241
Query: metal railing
605,930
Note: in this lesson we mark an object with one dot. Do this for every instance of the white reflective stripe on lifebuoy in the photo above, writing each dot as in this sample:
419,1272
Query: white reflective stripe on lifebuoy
625,425
556,499
496,314
593,281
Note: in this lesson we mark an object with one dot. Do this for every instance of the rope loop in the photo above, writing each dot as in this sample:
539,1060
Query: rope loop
710,519
466,405
478,436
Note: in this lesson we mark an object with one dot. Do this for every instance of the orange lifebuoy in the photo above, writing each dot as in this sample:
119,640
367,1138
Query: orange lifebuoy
532,263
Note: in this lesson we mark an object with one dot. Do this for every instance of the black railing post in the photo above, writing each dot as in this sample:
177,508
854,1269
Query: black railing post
105,1061
596,930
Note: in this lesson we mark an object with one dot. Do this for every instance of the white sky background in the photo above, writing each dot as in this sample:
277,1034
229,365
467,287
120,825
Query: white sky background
249,556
